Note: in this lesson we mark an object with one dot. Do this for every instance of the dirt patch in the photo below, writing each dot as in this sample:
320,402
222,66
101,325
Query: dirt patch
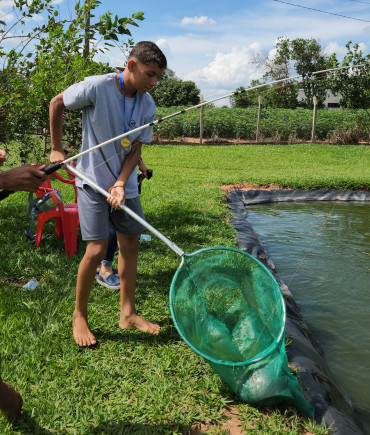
232,425
251,186
231,141
214,141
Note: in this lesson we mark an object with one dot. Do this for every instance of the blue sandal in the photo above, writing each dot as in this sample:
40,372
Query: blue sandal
111,281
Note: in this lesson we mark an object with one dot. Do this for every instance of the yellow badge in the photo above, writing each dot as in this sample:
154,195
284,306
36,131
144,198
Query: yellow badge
125,142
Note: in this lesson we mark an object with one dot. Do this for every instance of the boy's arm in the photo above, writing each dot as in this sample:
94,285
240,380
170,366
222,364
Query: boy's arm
129,164
56,112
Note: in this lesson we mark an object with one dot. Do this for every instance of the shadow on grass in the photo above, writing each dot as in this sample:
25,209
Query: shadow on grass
160,281
168,334
125,428
28,425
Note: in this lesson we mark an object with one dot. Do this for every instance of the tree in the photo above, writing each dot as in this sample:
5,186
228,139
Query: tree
305,56
48,59
105,30
309,58
353,84
242,100
172,91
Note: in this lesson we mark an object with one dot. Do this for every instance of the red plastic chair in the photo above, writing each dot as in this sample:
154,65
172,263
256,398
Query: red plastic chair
66,216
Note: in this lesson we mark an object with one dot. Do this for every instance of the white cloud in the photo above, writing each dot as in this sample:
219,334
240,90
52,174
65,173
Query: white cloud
198,21
7,17
37,17
334,47
341,50
228,69
226,72
7,4
6,14
363,47
165,47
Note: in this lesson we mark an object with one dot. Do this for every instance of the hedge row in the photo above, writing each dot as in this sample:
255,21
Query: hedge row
283,124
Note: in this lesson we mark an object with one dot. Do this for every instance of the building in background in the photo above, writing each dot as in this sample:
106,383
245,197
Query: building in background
331,100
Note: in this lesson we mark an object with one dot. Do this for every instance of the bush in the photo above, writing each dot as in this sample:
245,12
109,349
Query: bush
343,137
234,123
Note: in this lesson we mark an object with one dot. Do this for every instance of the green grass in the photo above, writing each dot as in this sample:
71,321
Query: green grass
135,383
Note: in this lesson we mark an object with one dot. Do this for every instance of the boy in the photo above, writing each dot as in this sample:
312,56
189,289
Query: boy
113,104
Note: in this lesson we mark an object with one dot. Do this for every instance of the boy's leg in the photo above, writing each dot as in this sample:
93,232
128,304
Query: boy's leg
93,211
95,251
127,268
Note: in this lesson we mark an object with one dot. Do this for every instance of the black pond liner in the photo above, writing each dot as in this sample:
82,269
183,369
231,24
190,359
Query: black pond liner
331,404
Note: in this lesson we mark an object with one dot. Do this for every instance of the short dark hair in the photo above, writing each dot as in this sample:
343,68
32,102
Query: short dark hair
148,52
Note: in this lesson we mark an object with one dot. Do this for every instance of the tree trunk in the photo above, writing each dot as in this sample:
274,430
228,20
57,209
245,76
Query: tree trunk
86,48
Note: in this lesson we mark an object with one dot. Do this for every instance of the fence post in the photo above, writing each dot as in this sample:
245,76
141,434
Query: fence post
259,118
201,121
313,133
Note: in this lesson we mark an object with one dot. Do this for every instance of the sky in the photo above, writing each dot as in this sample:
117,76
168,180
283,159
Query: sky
212,42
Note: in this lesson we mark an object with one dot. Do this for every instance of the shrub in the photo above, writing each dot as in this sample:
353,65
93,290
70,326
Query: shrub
235,123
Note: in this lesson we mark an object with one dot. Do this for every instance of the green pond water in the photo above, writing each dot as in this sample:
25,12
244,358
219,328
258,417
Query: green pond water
322,252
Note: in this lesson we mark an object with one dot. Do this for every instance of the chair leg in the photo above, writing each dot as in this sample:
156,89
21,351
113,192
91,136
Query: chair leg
58,227
40,225
70,225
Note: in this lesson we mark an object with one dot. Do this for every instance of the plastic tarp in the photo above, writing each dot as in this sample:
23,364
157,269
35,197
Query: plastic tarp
331,405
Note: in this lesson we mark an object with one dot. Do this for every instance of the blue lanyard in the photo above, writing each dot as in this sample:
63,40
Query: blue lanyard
127,127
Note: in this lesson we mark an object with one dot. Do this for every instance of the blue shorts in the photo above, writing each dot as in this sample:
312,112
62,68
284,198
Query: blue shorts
97,216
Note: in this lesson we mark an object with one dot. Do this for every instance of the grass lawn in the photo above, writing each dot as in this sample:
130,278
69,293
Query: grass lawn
132,382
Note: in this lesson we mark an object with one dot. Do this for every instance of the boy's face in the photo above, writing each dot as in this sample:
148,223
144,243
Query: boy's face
145,77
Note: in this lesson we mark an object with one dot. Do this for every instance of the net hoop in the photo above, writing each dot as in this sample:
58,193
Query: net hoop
266,352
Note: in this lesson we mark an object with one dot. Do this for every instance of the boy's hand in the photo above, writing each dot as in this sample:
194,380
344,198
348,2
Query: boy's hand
57,156
117,196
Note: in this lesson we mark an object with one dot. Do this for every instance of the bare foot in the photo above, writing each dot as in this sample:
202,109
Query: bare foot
81,331
136,322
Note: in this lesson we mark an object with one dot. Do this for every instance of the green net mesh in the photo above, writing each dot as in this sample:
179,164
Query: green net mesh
229,309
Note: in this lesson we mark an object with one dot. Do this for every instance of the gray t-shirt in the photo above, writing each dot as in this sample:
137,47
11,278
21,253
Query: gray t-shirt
102,119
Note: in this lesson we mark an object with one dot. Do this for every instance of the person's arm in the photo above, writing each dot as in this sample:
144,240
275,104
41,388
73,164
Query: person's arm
129,164
56,112
143,168
27,178
2,157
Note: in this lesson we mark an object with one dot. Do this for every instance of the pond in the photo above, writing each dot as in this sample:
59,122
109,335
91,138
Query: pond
322,252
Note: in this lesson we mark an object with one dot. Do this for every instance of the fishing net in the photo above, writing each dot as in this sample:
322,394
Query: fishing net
229,309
